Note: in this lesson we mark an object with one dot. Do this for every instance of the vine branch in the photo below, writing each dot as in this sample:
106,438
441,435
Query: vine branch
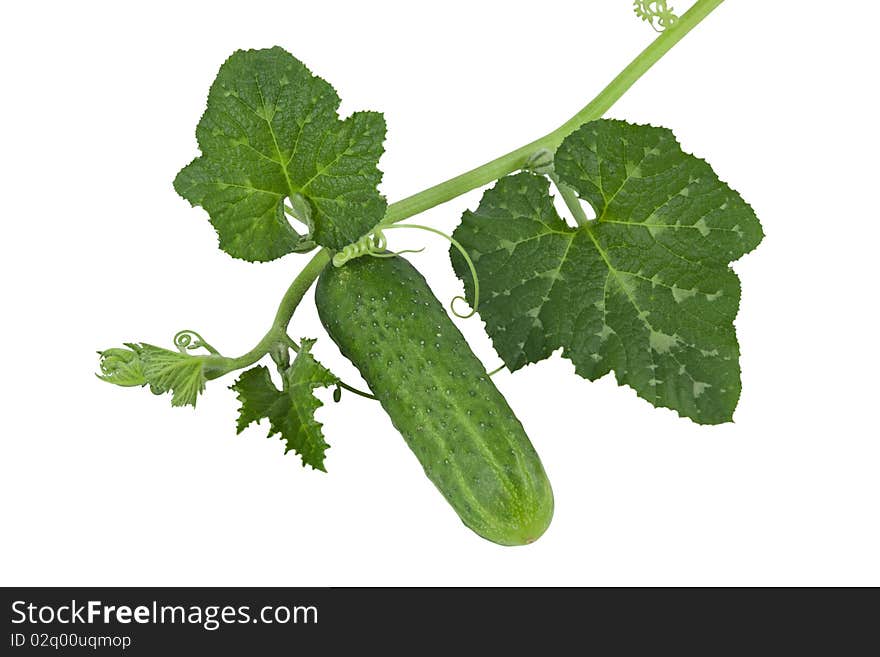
517,159
482,175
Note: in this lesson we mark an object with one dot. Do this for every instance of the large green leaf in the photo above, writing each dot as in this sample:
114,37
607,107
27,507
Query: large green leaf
645,289
271,132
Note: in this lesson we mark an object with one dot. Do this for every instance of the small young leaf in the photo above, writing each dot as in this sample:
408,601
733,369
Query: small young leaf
290,411
257,395
163,370
645,289
122,367
271,132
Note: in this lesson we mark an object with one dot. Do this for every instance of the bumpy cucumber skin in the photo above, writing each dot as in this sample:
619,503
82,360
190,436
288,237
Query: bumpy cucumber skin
385,319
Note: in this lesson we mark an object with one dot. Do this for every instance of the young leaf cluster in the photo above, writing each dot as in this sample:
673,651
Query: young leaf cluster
162,369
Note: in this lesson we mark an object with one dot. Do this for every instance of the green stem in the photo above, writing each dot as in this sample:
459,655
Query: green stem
290,342
298,289
572,202
218,366
342,384
481,175
515,160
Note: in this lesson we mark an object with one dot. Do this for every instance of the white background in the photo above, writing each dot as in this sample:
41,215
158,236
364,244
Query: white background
102,485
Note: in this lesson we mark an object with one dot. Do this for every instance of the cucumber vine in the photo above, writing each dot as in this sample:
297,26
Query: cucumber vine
644,290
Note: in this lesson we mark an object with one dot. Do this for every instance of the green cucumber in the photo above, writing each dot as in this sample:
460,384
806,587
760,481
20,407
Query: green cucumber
385,319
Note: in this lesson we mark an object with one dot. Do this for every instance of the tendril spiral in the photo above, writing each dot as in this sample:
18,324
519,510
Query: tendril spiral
371,244
188,340
655,12
374,244
467,259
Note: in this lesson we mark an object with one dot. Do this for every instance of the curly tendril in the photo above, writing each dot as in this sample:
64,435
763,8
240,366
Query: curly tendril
370,244
187,340
655,12
467,259
373,245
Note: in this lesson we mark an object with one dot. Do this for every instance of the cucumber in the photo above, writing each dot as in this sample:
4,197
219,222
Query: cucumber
385,319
